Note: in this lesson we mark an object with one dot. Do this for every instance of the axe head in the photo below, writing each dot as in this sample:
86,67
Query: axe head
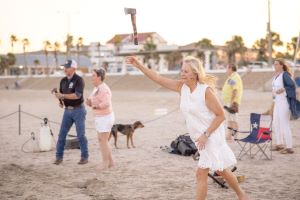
131,11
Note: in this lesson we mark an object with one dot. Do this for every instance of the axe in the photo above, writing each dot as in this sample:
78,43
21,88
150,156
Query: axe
132,12
54,90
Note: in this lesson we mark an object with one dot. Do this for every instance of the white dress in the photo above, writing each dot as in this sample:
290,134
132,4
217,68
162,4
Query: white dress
217,155
281,114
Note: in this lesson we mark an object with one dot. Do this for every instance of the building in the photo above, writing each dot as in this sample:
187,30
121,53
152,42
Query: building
36,63
111,55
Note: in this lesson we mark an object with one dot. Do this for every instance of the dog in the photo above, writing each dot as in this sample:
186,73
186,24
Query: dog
126,129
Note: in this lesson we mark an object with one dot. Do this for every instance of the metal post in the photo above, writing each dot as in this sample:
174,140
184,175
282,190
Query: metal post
19,119
269,37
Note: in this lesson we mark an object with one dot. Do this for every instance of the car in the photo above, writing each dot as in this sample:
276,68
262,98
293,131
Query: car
257,64
290,63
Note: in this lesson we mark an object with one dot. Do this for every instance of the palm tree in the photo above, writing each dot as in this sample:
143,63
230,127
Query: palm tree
262,45
117,41
36,62
99,52
13,39
291,47
6,62
3,64
174,59
47,45
11,58
276,41
25,43
235,45
69,44
56,49
203,44
78,48
150,46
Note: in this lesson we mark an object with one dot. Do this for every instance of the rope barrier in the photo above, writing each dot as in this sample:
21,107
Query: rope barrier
157,118
37,117
57,123
88,128
5,116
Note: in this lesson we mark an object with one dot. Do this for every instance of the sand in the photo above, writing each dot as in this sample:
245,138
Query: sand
144,172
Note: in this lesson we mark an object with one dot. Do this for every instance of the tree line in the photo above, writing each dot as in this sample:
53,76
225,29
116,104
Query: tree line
232,47
9,59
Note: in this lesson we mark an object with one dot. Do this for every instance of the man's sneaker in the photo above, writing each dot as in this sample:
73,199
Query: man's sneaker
57,161
82,161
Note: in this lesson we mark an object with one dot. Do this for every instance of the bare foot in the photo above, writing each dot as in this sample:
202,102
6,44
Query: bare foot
102,167
243,197
111,164
230,139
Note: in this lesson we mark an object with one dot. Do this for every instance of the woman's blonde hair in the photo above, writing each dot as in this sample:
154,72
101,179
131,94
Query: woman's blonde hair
285,66
197,68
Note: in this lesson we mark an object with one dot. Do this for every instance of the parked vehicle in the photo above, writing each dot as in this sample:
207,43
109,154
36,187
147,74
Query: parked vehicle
257,64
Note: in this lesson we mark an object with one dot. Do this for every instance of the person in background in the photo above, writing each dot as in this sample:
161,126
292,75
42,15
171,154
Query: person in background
71,98
232,93
285,105
100,102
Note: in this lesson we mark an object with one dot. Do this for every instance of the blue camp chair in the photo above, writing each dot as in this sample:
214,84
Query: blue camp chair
259,138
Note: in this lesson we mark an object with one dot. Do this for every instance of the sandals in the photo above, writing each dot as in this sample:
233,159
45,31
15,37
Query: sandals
287,151
277,148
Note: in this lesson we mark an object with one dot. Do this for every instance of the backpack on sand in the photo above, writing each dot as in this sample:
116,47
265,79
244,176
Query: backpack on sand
184,145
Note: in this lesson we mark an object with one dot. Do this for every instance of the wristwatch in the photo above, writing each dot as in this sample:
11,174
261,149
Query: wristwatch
206,134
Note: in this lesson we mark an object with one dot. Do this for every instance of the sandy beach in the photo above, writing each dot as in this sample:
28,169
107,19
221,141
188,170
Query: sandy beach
141,173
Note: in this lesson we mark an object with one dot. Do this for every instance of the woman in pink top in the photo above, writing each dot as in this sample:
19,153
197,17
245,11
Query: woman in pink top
100,102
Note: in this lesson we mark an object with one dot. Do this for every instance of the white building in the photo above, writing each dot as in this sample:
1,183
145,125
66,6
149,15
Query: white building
162,57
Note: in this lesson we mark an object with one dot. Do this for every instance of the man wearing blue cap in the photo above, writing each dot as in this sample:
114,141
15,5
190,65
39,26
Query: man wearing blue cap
71,96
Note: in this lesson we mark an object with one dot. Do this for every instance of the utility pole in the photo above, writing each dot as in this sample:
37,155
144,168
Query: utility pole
269,37
68,21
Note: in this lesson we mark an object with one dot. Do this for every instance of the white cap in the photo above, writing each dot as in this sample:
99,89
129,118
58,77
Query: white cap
70,63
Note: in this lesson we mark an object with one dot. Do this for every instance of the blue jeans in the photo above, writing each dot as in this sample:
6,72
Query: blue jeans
76,116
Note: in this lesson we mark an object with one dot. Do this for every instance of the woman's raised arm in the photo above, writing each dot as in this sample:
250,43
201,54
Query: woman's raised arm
171,84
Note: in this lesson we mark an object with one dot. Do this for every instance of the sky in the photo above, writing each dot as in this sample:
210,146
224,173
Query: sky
179,22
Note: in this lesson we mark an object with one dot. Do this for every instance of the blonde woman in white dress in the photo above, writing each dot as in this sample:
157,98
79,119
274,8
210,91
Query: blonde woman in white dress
204,117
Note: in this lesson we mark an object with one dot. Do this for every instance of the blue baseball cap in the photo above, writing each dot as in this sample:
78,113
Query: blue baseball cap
70,63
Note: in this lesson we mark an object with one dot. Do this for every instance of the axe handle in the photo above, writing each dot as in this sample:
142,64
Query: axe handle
54,90
135,37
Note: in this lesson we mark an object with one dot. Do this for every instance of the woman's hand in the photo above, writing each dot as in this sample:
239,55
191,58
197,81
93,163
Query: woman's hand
131,60
88,102
201,141
280,91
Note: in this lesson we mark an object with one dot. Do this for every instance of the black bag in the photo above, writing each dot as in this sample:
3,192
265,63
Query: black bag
234,108
72,143
184,145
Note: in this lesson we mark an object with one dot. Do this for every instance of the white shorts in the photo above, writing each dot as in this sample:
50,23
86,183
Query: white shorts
103,124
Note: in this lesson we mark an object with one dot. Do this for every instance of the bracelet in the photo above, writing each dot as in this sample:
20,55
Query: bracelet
206,134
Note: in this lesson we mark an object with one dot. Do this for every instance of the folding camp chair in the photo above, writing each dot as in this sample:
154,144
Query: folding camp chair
259,139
